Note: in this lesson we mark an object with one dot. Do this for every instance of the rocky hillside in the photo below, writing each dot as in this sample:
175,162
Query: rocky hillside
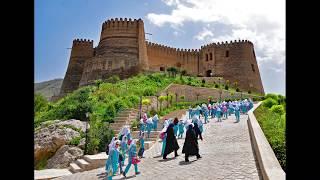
48,88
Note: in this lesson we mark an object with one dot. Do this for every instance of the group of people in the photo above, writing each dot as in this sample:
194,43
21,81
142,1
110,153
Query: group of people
119,148
124,146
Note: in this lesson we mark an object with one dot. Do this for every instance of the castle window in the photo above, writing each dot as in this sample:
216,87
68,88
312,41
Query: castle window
252,66
162,69
210,56
227,53
206,57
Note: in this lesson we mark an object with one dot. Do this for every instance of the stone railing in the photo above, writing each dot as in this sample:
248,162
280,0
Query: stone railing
268,163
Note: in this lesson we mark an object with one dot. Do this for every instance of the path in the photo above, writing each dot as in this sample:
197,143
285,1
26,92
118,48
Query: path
226,154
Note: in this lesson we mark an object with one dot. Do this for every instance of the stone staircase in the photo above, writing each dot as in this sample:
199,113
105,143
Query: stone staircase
124,118
87,162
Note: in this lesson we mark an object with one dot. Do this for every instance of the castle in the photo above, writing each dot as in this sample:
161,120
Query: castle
123,51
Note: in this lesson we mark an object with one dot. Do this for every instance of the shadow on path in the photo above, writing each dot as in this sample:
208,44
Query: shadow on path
168,159
185,163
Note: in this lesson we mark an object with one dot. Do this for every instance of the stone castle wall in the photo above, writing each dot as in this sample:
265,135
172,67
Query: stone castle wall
123,51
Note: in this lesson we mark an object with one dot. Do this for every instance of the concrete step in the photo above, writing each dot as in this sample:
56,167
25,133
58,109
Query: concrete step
97,160
74,168
83,164
50,173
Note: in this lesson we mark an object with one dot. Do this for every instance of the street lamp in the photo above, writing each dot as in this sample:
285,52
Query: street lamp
140,107
86,143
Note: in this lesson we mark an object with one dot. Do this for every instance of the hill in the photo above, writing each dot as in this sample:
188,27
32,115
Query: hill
48,88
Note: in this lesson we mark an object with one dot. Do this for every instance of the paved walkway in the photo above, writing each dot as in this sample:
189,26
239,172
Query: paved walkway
226,154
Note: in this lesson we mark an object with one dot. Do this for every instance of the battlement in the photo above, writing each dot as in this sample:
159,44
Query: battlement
82,42
116,23
226,43
171,50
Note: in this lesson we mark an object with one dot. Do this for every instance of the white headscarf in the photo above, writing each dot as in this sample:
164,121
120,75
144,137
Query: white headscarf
149,121
112,144
155,117
124,139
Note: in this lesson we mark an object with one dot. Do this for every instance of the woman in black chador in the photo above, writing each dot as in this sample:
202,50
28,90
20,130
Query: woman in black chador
171,143
190,146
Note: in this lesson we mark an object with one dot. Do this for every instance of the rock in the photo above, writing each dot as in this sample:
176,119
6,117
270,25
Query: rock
47,140
75,123
64,156
82,143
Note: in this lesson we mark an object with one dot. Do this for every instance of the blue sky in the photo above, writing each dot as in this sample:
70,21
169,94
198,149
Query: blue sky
177,23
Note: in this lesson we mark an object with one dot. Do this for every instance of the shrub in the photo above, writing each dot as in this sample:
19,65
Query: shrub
216,86
273,126
249,92
148,91
113,79
40,103
269,102
110,112
279,109
272,96
238,90
182,97
75,141
226,87
203,81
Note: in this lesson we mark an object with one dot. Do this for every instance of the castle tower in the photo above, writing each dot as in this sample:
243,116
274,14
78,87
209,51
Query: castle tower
121,51
236,62
81,51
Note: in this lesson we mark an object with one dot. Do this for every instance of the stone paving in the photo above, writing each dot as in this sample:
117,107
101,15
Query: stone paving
226,154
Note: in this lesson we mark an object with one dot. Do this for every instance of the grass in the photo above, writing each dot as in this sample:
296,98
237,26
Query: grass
273,126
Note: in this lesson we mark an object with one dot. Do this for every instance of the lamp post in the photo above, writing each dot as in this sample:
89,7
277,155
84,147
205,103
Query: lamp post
140,112
86,143
167,99
220,92
157,100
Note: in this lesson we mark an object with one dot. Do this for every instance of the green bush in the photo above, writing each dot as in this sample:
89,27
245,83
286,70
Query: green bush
272,96
75,141
216,86
279,109
269,102
226,87
237,90
249,92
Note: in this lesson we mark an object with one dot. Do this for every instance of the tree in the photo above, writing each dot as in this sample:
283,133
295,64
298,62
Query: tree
183,73
146,102
161,99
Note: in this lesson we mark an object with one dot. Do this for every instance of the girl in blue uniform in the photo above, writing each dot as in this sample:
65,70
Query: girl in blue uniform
132,154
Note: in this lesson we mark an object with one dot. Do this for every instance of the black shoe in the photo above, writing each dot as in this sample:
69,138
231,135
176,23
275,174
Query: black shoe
187,160
138,173
176,155
164,157
198,157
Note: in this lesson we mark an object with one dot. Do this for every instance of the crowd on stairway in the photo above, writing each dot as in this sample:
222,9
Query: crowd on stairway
190,127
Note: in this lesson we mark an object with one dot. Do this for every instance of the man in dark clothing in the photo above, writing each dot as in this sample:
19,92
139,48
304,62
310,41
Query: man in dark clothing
190,146
171,142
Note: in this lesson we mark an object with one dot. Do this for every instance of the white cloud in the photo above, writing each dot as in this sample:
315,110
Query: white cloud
204,34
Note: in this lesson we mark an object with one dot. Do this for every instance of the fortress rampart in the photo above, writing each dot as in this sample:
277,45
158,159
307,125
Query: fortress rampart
123,51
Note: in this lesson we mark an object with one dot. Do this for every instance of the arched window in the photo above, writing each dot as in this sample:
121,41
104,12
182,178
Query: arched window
207,57
227,53
210,56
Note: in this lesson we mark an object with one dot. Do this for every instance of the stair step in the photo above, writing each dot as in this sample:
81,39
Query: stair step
51,173
74,168
83,164
97,160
